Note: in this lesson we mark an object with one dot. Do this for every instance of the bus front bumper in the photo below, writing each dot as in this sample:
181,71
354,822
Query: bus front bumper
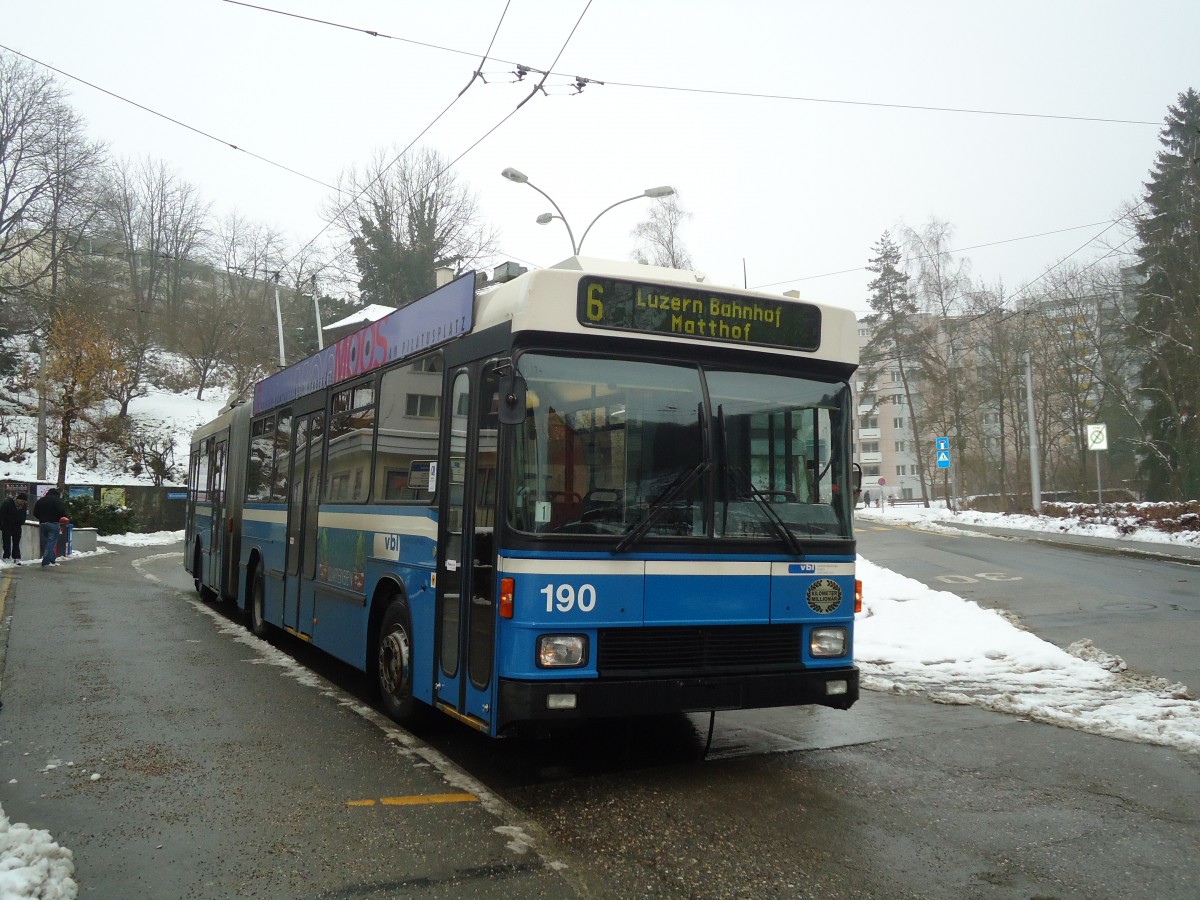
566,701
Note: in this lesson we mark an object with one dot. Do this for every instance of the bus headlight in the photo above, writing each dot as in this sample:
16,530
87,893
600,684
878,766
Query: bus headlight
827,642
561,651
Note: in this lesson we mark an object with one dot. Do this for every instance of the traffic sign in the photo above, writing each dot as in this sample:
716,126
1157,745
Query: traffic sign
942,443
943,459
1097,437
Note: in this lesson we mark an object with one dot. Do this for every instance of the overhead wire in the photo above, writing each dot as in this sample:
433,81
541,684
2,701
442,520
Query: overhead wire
192,128
1024,237
471,147
545,74
1004,301
713,91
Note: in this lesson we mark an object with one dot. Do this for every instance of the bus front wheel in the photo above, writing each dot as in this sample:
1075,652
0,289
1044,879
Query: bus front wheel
258,623
393,663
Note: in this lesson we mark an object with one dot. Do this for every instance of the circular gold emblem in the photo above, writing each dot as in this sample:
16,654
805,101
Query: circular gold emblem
824,595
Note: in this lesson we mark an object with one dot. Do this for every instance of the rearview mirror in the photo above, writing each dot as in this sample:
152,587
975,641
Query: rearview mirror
513,393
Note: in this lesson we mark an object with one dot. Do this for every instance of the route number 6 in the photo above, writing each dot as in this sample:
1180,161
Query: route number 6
564,597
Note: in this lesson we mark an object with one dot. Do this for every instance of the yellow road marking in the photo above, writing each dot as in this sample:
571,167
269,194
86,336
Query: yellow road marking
417,800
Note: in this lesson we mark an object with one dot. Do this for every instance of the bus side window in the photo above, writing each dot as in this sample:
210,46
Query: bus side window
407,428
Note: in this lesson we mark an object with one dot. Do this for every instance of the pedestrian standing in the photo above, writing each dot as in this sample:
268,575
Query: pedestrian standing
48,511
12,520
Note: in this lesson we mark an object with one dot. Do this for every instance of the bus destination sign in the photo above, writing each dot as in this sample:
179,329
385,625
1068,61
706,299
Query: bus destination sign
698,313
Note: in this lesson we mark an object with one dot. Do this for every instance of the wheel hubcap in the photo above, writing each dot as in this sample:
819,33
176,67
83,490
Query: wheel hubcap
393,662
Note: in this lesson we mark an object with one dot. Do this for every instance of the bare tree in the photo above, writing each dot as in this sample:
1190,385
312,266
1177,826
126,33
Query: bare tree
939,285
1086,369
156,216
47,172
245,258
659,240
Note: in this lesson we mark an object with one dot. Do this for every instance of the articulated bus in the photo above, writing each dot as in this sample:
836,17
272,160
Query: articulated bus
595,490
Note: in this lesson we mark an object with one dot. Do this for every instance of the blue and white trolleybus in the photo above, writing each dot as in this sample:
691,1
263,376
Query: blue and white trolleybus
598,489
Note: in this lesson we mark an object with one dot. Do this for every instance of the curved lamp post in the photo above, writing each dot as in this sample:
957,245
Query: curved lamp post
521,178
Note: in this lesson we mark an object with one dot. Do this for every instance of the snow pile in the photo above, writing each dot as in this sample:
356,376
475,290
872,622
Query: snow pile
33,865
910,639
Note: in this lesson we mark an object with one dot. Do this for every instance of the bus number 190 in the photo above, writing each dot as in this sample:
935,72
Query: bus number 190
564,597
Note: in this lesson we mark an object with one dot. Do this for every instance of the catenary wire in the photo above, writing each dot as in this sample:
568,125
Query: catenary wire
753,95
473,145
171,119
1024,237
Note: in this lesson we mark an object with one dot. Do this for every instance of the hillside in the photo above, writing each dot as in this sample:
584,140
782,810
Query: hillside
161,412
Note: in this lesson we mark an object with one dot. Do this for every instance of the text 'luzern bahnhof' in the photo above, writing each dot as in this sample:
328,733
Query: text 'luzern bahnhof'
609,303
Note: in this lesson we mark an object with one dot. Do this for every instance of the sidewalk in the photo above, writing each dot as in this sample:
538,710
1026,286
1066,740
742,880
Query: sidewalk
1123,546
175,756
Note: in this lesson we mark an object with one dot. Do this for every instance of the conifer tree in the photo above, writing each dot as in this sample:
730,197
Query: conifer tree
1167,323
894,342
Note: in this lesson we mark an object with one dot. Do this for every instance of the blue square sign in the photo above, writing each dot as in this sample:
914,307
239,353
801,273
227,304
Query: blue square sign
942,443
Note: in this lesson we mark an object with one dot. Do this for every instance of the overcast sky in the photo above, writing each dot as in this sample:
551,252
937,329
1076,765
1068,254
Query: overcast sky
793,187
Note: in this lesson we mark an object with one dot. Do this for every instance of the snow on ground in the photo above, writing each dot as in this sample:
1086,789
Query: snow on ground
909,639
940,516
159,411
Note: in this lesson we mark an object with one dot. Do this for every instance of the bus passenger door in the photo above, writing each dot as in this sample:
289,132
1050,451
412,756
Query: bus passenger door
218,538
465,594
301,520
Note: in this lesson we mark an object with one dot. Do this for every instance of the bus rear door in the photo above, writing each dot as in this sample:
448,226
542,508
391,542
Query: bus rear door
302,523
218,537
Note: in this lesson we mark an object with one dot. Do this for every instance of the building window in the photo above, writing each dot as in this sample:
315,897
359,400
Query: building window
868,422
898,423
870,447
901,446
870,470
421,406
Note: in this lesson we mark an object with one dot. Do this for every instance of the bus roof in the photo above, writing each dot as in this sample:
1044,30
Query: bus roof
548,300
672,304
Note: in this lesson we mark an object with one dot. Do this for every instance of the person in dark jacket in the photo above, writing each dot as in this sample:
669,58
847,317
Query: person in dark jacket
48,510
12,518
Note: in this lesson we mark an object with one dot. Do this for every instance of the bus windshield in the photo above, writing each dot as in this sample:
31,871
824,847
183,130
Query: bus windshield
634,449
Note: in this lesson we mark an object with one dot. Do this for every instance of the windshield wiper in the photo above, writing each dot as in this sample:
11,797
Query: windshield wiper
768,510
685,479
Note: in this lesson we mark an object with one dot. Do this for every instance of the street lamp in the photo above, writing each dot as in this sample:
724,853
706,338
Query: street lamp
521,178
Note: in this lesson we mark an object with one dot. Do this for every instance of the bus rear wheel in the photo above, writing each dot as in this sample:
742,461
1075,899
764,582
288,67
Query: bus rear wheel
393,663
258,624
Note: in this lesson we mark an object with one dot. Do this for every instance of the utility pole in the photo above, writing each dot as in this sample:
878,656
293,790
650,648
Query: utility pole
1035,478
317,313
279,323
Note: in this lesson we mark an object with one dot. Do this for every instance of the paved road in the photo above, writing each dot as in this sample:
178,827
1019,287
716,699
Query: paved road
163,747
226,770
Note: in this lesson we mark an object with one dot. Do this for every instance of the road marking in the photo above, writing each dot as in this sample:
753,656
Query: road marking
985,576
417,800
